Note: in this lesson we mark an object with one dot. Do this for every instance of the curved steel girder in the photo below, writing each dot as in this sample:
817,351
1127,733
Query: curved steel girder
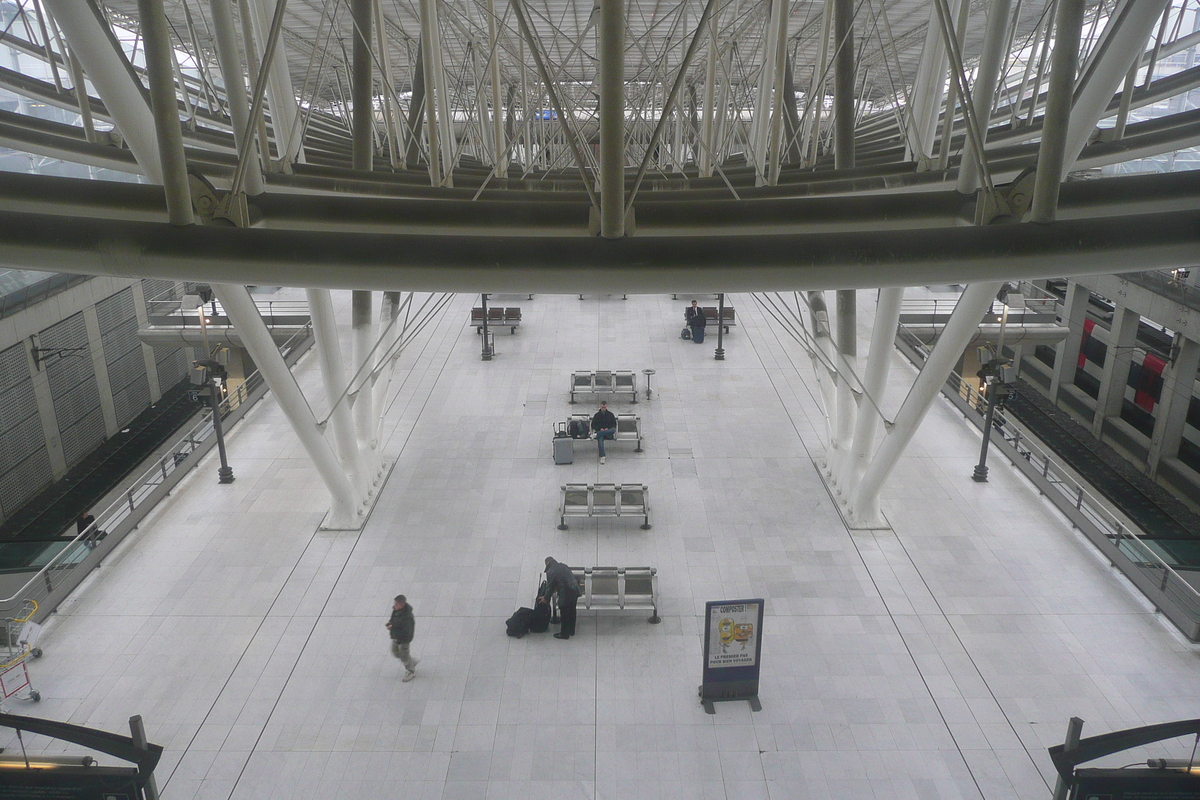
1131,194
569,264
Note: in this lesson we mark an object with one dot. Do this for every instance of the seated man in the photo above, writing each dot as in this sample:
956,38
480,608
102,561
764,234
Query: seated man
696,321
604,423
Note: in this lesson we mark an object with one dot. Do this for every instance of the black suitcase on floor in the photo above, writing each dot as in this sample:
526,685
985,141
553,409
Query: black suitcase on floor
518,623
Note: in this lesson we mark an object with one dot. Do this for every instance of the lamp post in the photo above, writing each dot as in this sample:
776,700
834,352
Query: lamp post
487,347
993,377
720,354
992,374
215,374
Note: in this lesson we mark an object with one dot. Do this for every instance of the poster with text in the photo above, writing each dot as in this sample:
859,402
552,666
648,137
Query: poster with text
733,634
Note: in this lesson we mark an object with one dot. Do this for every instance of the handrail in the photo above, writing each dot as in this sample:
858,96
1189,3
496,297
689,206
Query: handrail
1119,540
113,523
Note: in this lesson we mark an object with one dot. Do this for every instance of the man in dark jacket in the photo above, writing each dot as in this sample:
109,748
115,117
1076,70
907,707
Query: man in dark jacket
696,321
560,579
605,426
402,625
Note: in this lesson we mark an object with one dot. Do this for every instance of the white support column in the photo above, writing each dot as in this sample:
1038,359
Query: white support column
81,97
46,414
816,93
329,355
499,145
1170,415
344,511
722,109
1121,44
230,60
879,361
362,323
984,91
774,154
281,97
929,87
945,354
1066,356
1052,150
761,122
1121,341
826,370
391,115
847,365
362,112
428,65
389,322
441,96
704,154
92,44
611,46
108,409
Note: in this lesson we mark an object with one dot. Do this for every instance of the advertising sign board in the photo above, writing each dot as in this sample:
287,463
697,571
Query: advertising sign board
732,651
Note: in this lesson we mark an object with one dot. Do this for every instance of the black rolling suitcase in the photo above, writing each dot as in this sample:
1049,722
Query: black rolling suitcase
541,613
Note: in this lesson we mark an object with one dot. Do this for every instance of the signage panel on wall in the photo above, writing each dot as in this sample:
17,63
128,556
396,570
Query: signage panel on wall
732,651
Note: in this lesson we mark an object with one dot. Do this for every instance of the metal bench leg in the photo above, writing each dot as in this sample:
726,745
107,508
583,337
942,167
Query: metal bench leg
654,619
639,447
646,525
562,523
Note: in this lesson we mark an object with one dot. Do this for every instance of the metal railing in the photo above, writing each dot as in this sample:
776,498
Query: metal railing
1169,284
77,557
273,312
1118,540
1039,306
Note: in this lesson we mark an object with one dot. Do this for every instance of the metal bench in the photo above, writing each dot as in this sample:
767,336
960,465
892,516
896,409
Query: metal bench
604,500
615,589
497,317
727,316
629,428
602,382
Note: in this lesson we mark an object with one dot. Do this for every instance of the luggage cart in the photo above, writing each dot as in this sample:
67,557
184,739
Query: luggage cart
20,638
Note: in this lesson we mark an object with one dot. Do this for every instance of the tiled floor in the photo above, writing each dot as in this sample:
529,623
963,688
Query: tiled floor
937,659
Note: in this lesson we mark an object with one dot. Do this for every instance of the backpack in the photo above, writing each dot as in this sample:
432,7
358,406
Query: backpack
577,429
518,623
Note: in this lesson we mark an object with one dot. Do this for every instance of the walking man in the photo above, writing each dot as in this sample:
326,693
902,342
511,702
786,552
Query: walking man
560,579
605,426
402,625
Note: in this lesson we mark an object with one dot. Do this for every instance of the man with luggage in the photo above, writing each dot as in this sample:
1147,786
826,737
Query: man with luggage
559,578
696,321
402,625
605,426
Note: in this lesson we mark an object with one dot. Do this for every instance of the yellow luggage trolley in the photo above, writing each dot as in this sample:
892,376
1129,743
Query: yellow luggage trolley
20,638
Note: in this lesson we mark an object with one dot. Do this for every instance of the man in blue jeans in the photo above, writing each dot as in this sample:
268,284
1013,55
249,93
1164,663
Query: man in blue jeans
605,426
